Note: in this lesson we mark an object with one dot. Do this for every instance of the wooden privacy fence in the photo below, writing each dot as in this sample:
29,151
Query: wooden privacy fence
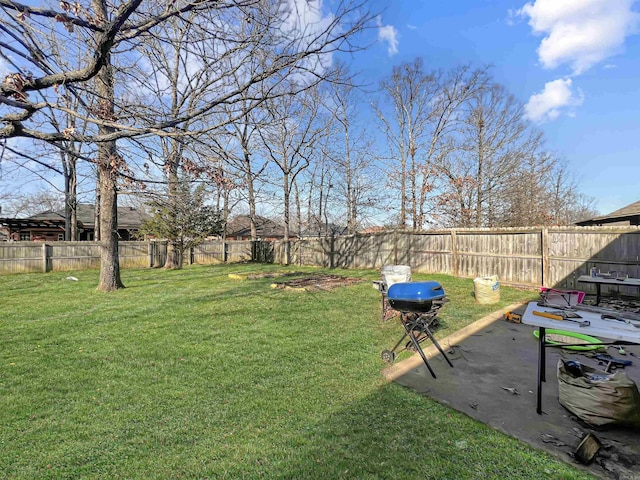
552,257
24,257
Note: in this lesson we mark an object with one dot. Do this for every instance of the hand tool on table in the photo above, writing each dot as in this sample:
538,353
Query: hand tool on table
563,315
622,314
608,316
612,361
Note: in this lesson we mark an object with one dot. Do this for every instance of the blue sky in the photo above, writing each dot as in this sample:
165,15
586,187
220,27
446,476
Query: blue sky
575,63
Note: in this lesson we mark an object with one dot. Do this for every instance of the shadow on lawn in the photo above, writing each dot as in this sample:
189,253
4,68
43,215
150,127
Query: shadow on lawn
394,433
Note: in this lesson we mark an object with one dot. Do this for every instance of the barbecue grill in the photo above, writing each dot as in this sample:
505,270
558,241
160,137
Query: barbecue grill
418,304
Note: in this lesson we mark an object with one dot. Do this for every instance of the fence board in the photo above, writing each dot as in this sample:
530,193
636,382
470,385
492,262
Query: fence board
207,253
21,257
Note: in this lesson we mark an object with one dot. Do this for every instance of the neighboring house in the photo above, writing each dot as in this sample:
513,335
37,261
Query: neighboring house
239,228
49,226
629,215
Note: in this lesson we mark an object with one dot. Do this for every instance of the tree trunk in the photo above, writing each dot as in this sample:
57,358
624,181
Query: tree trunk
251,195
107,175
403,192
67,205
351,221
109,261
73,200
296,193
174,257
96,221
414,188
287,253
480,174
174,252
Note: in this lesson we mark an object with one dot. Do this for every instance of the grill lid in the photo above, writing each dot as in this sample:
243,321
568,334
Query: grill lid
416,291
414,296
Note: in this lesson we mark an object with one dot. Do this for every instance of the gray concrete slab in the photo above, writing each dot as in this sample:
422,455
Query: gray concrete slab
503,354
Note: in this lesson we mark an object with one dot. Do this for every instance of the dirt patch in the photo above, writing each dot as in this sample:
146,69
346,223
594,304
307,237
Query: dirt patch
317,282
273,275
257,276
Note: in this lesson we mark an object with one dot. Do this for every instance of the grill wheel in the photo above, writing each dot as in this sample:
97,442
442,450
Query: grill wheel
388,356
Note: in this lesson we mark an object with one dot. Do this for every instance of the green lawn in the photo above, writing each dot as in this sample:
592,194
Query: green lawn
189,374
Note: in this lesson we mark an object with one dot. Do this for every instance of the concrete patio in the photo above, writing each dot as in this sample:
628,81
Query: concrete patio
491,356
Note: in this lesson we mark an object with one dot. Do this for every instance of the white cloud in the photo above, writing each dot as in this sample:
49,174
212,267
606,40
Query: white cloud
389,34
305,20
556,97
411,27
580,33
305,16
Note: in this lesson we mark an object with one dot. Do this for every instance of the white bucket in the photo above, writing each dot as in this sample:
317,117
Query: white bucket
396,274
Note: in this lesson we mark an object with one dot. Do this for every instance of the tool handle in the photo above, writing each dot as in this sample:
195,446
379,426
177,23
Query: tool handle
613,360
548,315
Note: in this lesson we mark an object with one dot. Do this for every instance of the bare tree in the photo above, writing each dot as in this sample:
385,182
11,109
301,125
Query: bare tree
289,138
39,163
408,90
319,184
492,143
26,205
351,149
302,48
247,159
457,87
424,106
554,198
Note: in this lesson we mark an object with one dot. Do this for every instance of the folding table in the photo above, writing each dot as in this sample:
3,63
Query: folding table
609,331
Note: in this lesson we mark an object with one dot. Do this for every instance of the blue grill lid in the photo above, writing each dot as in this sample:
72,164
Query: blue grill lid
415,292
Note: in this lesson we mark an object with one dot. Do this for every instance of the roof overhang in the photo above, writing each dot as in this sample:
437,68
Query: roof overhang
22,223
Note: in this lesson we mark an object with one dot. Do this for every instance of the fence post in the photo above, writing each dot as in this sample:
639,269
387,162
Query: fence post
150,250
454,251
300,251
544,247
46,258
331,252
395,246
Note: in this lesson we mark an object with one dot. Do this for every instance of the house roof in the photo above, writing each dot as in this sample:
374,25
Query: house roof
630,212
240,226
128,217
